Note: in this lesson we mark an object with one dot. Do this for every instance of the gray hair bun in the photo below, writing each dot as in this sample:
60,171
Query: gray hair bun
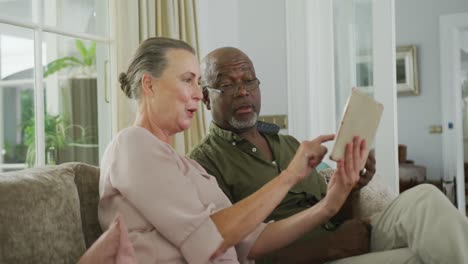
124,85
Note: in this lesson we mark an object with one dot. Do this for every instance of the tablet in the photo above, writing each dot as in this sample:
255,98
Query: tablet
361,117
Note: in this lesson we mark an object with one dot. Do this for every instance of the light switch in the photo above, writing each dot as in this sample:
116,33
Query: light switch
435,129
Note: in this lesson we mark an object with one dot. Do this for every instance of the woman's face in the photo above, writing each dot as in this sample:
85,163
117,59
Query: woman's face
176,93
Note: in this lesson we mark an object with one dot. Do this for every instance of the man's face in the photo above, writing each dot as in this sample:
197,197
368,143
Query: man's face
239,111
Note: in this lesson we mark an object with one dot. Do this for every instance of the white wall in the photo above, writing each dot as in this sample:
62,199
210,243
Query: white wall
417,23
258,28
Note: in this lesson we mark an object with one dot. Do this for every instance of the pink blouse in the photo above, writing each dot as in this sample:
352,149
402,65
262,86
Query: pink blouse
166,200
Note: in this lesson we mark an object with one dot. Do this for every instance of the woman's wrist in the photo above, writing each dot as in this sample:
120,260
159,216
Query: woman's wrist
328,207
288,178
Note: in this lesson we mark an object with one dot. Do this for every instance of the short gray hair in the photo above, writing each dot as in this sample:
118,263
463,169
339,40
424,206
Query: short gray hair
150,58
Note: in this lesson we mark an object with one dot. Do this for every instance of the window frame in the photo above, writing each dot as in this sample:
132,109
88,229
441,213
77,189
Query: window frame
38,27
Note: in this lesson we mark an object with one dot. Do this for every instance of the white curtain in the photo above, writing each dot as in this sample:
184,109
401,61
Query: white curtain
127,38
139,20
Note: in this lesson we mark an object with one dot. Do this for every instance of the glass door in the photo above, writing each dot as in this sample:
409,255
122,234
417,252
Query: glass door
333,46
17,102
364,58
464,94
54,56
453,45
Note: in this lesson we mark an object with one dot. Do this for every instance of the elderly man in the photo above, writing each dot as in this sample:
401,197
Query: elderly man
244,154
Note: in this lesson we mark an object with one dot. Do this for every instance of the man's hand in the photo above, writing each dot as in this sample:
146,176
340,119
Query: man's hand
370,171
308,156
350,239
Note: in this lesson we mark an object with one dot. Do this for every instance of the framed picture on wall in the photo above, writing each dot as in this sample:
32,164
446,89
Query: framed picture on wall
406,71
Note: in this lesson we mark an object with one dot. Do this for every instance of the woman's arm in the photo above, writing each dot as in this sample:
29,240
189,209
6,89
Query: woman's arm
281,233
346,211
236,222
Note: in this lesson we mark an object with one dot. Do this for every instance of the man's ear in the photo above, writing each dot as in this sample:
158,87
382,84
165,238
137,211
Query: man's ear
206,99
147,88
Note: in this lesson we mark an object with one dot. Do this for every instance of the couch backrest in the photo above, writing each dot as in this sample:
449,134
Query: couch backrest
49,214
87,184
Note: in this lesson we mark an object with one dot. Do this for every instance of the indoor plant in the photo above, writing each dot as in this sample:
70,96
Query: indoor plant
85,64
70,134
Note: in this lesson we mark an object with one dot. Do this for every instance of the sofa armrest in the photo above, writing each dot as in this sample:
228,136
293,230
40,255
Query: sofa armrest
371,199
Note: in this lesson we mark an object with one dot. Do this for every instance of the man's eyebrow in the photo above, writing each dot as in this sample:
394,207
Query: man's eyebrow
246,68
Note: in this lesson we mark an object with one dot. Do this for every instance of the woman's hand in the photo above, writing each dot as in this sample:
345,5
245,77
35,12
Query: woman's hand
346,175
308,156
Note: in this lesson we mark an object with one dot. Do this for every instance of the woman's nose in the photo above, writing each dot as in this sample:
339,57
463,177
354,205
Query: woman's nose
197,94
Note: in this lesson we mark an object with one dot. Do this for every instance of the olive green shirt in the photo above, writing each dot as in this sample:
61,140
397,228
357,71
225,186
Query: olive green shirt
241,169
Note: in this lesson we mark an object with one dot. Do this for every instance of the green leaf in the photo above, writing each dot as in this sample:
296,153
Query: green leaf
74,59
80,46
90,55
87,59
55,67
59,64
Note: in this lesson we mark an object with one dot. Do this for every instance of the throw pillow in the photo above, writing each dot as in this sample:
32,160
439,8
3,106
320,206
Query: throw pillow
40,218
372,198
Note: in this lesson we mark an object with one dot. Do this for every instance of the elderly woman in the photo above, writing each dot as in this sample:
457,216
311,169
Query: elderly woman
175,211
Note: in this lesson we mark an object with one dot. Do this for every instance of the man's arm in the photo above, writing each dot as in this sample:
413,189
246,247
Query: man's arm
346,211
350,239
346,241
279,234
235,222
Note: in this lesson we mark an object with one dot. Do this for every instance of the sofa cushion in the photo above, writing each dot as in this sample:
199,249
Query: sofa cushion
373,198
370,200
40,216
87,184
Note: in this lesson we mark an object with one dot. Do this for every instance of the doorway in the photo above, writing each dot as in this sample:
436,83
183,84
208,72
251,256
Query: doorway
464,90
333,35
454,75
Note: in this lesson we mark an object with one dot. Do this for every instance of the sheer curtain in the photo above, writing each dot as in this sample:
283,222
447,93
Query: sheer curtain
126,28
139,20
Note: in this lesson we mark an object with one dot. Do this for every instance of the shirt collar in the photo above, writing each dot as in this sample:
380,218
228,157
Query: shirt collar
263,127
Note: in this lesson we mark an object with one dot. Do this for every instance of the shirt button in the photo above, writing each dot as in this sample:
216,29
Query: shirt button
233,143
254,149
329,226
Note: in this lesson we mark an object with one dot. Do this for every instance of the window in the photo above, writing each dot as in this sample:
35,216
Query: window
54,99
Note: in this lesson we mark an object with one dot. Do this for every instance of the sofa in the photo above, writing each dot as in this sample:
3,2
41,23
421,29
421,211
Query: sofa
49,214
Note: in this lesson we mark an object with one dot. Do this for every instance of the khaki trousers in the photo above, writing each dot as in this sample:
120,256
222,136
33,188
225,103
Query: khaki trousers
420,226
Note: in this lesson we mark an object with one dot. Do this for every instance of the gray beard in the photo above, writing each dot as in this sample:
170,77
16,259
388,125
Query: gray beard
244,124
